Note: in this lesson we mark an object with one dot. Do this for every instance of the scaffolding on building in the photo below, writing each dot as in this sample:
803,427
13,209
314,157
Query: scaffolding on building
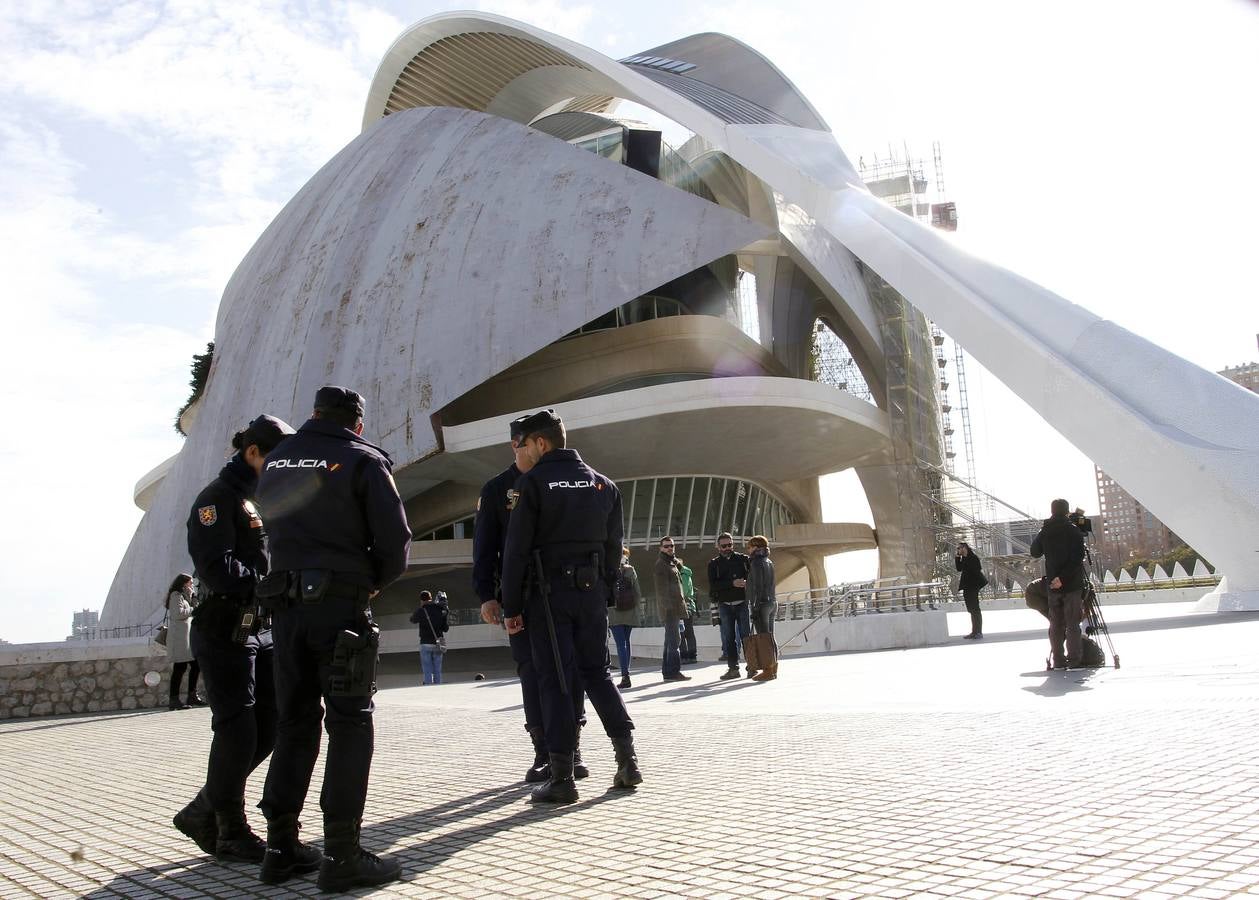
833,364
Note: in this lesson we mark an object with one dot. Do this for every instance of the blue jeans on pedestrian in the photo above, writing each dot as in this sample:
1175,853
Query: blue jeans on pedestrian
431,662
735,626
621,634
672,663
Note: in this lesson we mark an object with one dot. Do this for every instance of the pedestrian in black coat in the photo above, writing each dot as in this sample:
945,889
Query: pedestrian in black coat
971,582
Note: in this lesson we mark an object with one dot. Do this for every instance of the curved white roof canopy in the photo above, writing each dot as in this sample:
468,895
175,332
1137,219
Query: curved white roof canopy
1181,439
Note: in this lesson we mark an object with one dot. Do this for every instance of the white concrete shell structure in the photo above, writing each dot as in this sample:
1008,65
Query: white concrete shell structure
432,261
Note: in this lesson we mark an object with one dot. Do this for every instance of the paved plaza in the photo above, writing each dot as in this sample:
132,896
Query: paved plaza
963,770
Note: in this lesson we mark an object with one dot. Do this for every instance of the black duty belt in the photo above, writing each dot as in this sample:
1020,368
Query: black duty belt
307,587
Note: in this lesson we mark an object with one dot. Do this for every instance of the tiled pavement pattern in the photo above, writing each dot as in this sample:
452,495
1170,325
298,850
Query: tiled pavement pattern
959,771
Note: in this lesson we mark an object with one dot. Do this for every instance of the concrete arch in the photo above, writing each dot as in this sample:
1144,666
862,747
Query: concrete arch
1183,440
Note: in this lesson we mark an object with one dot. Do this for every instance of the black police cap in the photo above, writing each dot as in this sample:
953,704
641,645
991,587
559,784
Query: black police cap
267,432
517,432
539,421
333,397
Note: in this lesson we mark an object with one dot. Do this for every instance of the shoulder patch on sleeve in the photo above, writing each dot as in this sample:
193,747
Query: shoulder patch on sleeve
208,515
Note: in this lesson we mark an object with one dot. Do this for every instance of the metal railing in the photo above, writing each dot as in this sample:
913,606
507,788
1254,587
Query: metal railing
95,633
867,598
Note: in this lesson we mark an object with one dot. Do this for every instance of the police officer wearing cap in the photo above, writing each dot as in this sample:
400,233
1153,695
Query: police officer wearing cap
560,561
498,496
338,530
226,543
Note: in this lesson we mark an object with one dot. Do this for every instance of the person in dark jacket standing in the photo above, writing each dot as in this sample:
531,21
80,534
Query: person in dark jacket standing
433,621
672,605
568,517
763,602
494,506
227,546
1061,543
338,529
727,579
971,582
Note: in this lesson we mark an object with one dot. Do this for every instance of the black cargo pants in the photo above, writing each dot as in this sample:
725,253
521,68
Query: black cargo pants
240,690
305,637
581,631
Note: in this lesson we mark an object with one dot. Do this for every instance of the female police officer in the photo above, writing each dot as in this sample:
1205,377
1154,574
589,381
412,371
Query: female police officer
225,541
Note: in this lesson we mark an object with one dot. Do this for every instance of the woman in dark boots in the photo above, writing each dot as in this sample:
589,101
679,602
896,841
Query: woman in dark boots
971,582
179,615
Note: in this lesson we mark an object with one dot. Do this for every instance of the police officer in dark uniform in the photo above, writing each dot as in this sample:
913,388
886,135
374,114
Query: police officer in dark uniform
498,496
339,534
226,543
559,565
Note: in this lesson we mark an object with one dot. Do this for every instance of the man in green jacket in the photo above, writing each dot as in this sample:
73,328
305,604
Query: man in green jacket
688,649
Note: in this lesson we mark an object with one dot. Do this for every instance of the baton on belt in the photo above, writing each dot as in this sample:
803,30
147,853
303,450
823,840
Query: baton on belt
544,588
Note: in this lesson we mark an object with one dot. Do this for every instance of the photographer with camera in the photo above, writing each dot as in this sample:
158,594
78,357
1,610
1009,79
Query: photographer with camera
1061,543
971,582
433,618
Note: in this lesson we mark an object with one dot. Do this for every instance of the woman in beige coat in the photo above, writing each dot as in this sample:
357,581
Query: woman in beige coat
179,622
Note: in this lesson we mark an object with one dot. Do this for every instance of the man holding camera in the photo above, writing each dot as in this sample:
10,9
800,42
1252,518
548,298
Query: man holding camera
1061,543
338,532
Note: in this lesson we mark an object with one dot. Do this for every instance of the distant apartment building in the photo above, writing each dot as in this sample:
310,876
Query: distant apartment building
85,622
1247,374
1127,529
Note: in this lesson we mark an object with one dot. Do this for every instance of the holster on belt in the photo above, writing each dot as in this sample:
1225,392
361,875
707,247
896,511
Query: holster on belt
582,576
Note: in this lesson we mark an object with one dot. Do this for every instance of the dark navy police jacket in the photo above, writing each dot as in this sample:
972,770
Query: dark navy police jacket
567,510
225,537
492,509
330,503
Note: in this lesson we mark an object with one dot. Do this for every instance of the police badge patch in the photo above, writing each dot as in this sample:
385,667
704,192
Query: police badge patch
208,515
512,497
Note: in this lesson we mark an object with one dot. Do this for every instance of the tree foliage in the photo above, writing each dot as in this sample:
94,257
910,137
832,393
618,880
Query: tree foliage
200,372
1184,554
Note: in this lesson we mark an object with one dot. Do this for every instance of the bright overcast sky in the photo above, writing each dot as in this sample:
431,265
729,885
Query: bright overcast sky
1104,149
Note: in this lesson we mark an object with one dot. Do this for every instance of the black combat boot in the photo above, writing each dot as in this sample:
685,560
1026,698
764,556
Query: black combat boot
286,855
236,841
346,865
197,821
561,788
579,768
541,768
627,773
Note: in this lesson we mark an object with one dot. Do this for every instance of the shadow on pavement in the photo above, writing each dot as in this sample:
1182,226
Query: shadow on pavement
1191,621
41,723
221,879
1060,683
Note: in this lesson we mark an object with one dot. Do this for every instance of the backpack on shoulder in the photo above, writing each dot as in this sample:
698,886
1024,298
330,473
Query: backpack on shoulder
623,593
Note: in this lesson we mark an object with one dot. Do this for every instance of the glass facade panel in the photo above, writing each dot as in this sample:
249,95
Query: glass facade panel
700,511
627,506
682,507
660,515
695,509
644,498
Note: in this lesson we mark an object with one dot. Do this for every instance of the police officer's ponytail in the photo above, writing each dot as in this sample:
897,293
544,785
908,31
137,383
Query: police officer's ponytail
264,432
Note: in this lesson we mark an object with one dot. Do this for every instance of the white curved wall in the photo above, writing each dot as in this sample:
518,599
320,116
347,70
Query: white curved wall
434,251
